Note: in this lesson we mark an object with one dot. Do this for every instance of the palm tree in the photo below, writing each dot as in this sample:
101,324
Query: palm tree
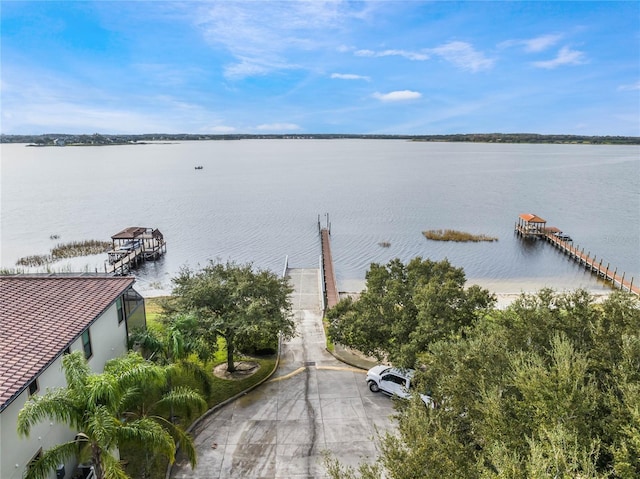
181,339
94,405
157,401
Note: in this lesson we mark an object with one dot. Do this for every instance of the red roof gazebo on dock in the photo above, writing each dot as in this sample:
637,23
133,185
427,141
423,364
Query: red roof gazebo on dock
530,225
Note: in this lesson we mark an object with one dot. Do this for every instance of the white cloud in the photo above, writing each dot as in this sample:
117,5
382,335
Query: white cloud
278,127
565,56
541,43
65,105
401,95
364,53
349,76
222,129
536,44
245,68
631,87
463,55
261,39
419,56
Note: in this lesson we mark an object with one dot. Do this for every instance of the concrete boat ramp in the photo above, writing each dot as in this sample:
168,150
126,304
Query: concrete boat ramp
312,405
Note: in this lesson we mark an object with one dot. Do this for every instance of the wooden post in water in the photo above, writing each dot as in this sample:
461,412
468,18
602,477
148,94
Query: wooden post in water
599,267
622,282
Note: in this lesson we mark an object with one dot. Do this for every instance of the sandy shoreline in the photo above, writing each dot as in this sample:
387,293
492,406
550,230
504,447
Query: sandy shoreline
506,291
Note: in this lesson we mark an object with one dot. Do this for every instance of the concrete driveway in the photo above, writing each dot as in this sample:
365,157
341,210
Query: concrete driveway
312,405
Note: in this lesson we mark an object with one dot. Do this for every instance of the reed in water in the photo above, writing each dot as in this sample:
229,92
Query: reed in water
453,235
66,250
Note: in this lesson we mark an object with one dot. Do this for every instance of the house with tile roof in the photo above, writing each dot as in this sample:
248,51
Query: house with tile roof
43,317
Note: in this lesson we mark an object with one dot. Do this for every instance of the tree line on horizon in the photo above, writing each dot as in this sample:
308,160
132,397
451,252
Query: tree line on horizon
66,139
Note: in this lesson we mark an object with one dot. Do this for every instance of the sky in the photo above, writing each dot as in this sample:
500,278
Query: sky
287,67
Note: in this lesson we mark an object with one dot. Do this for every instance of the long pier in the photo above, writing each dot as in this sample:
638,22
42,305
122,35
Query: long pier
535,227
592,264
329,278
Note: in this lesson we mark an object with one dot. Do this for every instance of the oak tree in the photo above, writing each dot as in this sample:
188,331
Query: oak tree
236,303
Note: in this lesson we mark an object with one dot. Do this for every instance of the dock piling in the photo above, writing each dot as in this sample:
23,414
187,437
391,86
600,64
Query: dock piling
529,226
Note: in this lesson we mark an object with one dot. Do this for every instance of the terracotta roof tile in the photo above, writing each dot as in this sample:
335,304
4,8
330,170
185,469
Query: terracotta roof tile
531,218
41,315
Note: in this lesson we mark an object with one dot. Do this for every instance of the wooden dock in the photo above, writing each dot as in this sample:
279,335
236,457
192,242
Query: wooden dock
330,287
133,246
593,264
565,246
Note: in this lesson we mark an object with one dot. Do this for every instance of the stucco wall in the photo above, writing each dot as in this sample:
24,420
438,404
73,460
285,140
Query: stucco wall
108,340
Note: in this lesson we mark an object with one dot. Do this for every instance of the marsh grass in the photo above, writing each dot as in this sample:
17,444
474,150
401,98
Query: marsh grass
72,249
453,235
80,248
34,260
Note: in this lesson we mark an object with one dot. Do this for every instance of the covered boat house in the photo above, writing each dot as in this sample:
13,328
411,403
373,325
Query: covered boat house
531,226
133,245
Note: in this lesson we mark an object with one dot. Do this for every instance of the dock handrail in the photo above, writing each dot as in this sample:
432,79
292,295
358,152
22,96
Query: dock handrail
592,264
331,285
323,286
574,252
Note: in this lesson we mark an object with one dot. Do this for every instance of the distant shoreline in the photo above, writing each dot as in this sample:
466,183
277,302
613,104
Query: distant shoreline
65,139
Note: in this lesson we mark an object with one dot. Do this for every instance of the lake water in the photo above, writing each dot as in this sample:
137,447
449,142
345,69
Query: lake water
259,201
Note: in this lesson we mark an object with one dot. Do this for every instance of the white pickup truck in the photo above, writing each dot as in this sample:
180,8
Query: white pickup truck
394,382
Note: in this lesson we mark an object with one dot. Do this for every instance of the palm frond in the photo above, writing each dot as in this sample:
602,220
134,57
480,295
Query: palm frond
76,370
147,431
133,401
121,364
148,340
56,405
200,374
41,468
142,373
104,389
112,467
182,439
101,427
183,399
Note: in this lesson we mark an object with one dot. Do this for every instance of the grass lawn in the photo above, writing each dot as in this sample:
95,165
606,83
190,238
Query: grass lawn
153,310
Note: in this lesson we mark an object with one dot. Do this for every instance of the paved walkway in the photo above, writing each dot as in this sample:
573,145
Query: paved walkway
313,404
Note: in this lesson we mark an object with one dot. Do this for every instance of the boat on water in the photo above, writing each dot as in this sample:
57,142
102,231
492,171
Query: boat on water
199,167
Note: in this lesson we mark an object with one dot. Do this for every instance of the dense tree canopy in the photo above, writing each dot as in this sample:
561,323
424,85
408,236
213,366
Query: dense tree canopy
549,387
232,301
406,307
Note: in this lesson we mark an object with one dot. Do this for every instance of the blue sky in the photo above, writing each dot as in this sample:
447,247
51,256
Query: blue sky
380,67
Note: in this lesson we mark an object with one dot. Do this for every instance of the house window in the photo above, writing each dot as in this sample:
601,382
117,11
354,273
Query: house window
33,387
134,312
86,344
120,308
33,460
